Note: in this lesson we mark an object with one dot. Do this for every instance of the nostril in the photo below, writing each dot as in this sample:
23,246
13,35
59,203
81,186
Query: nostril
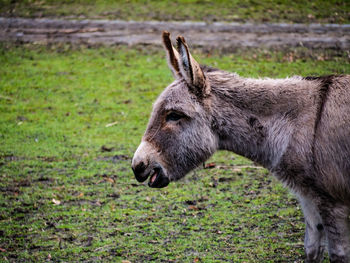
139,171
140,168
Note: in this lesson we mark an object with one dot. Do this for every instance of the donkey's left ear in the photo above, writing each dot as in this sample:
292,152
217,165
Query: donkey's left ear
190,69
172,55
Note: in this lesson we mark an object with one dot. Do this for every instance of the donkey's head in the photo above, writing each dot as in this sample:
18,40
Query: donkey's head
178,136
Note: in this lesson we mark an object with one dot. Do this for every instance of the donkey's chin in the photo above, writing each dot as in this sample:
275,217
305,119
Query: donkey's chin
158,178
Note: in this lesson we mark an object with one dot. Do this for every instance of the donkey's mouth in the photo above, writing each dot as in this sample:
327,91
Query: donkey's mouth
158,179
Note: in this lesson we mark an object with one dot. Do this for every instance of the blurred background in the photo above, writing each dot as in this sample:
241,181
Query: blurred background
319,11
77,83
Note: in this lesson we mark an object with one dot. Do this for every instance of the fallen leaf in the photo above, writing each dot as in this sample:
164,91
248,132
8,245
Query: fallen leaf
110,180
193,207
56,202
209,165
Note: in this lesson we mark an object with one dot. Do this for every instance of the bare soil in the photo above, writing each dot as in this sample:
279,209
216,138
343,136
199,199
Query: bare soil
228,36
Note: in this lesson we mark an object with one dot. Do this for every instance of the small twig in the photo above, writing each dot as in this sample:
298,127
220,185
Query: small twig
111,124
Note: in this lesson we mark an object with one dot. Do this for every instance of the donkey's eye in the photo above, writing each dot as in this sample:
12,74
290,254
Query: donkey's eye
173,116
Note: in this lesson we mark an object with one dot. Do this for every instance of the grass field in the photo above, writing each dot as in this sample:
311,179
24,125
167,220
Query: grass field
71,119
301,11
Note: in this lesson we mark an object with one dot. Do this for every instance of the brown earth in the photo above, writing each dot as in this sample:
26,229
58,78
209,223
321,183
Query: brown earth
200,34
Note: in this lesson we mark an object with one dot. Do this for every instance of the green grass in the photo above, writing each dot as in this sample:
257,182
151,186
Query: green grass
301,11
64,199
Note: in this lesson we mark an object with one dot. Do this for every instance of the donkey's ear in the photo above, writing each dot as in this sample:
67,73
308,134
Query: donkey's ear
190,69
171,54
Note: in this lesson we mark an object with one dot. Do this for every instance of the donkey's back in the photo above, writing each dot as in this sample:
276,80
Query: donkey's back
332,136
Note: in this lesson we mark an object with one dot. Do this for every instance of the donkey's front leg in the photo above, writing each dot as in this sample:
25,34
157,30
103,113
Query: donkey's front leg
314,233
337,229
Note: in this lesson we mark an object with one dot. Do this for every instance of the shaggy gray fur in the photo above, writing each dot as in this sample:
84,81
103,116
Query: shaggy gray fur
298,128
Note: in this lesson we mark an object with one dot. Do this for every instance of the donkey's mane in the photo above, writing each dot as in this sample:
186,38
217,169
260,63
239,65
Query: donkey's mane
207,68
282,95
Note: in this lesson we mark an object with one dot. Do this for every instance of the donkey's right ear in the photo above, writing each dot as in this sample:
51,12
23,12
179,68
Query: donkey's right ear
172,55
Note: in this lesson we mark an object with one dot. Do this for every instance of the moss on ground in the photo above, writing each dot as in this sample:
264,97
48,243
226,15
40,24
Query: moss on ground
301,11
67,190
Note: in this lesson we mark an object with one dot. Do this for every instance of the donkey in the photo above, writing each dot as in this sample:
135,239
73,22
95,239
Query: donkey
298,128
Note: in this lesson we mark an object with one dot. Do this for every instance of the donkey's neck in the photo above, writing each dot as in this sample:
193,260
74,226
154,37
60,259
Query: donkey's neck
257,118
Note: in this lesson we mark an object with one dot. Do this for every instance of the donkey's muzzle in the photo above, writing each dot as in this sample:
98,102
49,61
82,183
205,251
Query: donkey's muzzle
157,177
139,172
144,166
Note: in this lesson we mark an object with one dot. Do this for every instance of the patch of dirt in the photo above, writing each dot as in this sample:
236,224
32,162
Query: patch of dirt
226,179
105,148
14,158
114,195
43,179
114,158
217,35
11,158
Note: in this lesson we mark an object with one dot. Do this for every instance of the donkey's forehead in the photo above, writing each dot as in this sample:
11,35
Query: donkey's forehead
176,97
